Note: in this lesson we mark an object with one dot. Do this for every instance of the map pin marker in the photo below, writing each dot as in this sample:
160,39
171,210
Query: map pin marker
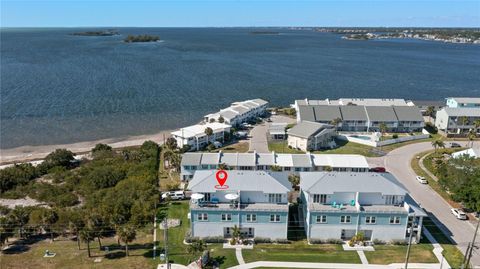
221,176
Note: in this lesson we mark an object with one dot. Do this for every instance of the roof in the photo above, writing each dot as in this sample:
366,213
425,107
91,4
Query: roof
210,158
240,109
277,128
364,182
191,158
284,160
414,207
465,100
326,113
471,152
265,159
246,159
353,113
354,161
301,160
305,129
426,103
267,182
408,113
462,111
199,129
228,114
259,101
306,113
373,101
229,159
381,113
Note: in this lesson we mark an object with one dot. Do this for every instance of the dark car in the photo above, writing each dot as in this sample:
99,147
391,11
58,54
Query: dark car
455,145
378,170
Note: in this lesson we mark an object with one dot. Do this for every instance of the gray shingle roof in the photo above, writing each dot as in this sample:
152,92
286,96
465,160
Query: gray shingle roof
306,129
328,183
246,159
229,159
468,100
267,182
462,111
210,158
301,160
381,113
408,113
351,113
326,113
191,159
265,159
306,113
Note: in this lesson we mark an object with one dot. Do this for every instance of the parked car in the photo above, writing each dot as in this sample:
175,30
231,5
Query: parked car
269,120
378,170
217,144
421,180
459,214
455,145
241,134
174,195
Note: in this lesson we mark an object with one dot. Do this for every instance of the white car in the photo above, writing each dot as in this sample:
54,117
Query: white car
174,195
459,214
422,180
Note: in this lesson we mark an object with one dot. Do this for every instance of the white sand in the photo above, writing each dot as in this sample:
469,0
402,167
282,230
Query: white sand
29,153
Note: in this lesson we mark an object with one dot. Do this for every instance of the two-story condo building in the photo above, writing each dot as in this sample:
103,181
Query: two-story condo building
254,201
307,135
195,135
463,102
288,163
239,112
341,204
457,120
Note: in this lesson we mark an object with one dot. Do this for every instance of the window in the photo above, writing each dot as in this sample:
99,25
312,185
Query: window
320,198
226,217
298,169
370,220
202,216
321,219
286,169
394,220
274,218
274,198
251,217
345,219
204,166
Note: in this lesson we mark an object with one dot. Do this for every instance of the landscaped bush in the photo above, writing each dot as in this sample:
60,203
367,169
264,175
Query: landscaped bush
378,242
395,136
258,240
190,239
214,239
282,241
316,241
399,242
334,241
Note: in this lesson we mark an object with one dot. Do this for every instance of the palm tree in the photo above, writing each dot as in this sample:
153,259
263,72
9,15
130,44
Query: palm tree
86,235
438,144
383,128
471,136
430,111
463,120
221,119
19,216
335,122
126,234
208,132
196,247
476,125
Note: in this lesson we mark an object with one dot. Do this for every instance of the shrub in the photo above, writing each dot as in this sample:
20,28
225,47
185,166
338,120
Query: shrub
190,239
282,241
258,240
395,136
214,239
399,242
233,241
334,241
316,241
378,242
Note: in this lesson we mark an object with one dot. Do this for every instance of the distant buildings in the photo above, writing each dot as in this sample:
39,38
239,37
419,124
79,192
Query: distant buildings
239,112
362,115
471,152
342,204
423,105
254,201
308,136
277,131
195,136
290,163
463,102
457,120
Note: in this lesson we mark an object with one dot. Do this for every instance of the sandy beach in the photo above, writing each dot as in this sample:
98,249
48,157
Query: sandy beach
30,153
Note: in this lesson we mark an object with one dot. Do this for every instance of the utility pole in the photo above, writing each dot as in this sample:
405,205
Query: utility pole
155,233
472,245
465,256
410,242
165,241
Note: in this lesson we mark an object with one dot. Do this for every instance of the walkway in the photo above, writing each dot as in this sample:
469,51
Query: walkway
362,256
238,254
336,265
422,166
437,248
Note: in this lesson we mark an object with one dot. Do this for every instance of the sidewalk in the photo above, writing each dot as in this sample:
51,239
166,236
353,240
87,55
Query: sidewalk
422,166
336,265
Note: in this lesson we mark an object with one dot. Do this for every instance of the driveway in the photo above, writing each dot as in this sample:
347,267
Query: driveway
258,140
397,162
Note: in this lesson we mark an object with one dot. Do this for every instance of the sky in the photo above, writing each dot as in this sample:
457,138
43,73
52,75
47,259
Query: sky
231,13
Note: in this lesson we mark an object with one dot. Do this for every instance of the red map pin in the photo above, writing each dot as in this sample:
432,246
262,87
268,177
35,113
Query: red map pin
221,176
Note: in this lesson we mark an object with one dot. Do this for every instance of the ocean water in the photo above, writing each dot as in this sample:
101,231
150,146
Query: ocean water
59,88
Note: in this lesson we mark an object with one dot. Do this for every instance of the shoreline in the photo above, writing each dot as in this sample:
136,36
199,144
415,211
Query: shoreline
32,153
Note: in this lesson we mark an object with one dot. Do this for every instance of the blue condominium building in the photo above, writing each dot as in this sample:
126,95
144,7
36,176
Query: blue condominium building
341,204
254,201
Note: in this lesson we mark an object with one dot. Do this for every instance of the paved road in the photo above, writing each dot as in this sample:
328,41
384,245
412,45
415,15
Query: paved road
258,140
397,162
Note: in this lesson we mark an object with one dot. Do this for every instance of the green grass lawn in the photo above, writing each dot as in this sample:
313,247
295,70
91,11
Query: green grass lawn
345,147
386,254
450,251
300,252
241,146
281,147
178,252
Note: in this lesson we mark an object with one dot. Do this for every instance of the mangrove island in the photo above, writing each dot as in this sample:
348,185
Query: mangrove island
141,38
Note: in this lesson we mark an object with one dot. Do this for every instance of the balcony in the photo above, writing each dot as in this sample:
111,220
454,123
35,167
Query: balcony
208,206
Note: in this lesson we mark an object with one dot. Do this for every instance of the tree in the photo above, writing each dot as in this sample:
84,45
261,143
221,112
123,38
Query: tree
463,121
476,125
430,111
221,119
335,122
43,218
101,150
97,226
438,144
20,216
222,166
60,157
383,128
212,120
208,131
197,247
171,143
86,235
471,136
294,179
276,168
127,234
